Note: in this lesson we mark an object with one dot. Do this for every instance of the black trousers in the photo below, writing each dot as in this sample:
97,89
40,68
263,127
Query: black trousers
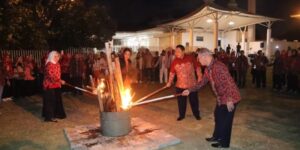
148,74
53,105
253,73
234,75
182,102
260,78
223,124
277,81
29,87
8,90
18,88
242,78
292,82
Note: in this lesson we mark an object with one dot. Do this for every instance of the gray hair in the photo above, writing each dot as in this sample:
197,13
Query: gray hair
51,56
204,51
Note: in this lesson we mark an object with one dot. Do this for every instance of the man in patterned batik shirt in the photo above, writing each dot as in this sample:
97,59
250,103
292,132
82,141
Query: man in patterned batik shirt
227,93
185,67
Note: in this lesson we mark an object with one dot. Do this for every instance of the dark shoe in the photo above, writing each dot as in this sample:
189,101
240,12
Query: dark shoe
218,145
211,139
50,120
198,118
180,118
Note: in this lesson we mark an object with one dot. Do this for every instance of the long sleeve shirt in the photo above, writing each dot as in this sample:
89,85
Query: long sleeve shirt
184,69
242,63
261,63
52,76
221,82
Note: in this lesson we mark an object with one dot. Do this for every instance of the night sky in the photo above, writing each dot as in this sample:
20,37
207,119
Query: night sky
133,15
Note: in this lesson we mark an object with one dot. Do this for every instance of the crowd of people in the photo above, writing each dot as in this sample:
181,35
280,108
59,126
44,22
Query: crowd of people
22,76
226,71
285,69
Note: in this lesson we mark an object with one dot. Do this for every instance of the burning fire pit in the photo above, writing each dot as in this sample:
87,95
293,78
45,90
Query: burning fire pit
115,100
116,128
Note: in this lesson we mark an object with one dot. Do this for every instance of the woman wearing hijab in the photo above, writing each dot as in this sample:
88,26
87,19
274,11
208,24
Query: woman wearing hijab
52,100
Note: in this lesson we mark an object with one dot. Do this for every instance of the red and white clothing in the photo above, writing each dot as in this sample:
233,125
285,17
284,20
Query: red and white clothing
65,64
8,67
221,82
185,69
52,76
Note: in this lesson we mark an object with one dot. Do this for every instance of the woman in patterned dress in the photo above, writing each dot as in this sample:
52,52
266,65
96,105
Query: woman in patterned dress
52,100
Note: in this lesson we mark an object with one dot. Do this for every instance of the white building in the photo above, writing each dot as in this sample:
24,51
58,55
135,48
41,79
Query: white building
210,26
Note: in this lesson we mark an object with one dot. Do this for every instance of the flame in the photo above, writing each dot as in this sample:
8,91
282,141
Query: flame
101,87
126,99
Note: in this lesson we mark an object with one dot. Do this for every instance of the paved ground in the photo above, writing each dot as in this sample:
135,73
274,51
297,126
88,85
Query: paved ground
264,120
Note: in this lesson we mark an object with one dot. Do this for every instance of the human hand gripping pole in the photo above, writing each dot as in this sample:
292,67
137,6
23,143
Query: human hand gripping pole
185,93
230,106
80,89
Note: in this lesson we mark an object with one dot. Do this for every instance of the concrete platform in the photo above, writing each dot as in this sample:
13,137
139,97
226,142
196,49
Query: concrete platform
144,136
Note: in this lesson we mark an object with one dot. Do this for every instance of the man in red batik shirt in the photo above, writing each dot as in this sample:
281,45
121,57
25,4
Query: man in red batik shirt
227,93
184,67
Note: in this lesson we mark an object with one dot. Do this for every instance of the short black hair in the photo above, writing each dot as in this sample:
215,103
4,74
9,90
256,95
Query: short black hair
180,47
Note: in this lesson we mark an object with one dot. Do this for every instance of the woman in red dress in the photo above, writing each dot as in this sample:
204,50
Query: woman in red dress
52,100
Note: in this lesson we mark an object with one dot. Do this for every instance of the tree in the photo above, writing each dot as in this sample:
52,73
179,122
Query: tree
54,24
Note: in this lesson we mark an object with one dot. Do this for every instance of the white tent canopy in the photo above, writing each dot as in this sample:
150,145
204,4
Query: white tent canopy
204,17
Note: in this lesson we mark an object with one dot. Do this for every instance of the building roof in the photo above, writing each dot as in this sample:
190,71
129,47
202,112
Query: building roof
228,19
202,18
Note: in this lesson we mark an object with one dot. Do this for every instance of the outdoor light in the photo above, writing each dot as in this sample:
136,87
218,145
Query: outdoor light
95,50
209,20
231,23
295,16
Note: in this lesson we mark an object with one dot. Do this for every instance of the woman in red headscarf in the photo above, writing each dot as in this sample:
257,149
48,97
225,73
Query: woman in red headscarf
52,100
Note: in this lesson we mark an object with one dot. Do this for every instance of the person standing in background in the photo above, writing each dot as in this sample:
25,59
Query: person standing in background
2,82
148,65
293,67
163,67
65,69
242,67
77,72
223,57
126,67
232,66
155,70
238,48
261,63
139,65
228,49
278,69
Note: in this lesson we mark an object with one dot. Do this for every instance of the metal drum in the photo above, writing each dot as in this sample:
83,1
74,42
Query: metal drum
115,124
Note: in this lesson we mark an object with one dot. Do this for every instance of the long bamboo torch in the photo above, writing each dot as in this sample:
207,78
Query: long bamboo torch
151,94
80,89
110,69
155,100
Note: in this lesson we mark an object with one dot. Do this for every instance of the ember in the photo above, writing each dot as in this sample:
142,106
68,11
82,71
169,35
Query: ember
126,99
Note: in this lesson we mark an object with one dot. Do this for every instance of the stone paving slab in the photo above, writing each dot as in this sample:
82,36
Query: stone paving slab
144,136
